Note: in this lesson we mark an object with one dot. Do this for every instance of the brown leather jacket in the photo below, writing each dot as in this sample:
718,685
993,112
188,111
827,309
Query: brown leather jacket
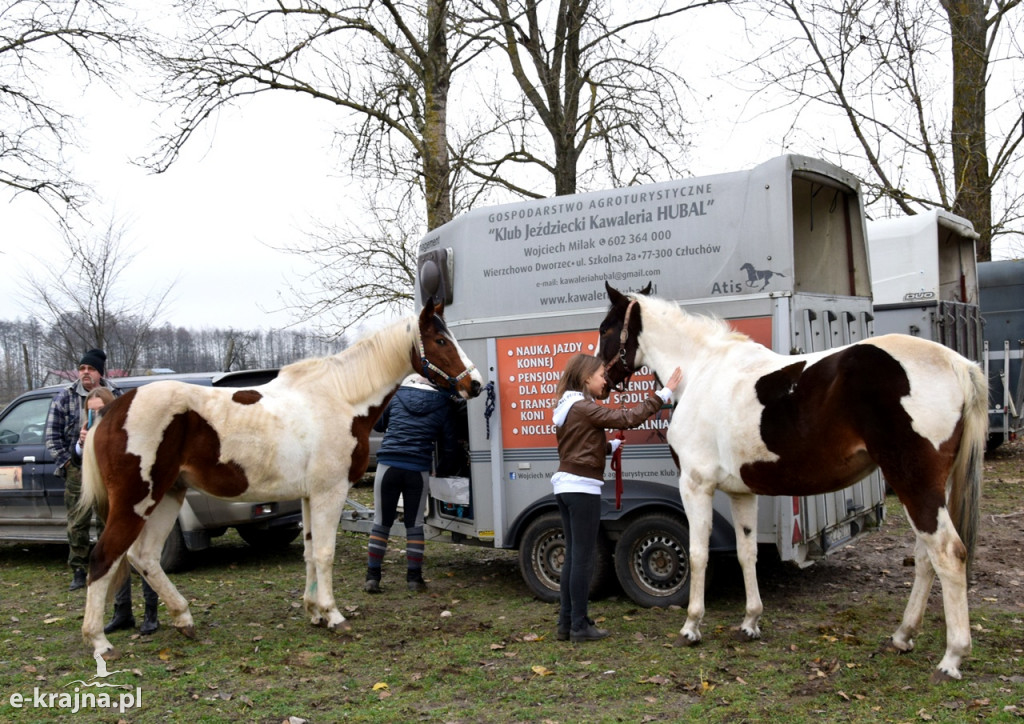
582,443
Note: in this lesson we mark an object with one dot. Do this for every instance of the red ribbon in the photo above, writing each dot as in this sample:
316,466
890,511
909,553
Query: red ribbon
617,467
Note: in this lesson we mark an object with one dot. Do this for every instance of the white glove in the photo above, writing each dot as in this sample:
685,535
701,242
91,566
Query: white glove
665,394
615,442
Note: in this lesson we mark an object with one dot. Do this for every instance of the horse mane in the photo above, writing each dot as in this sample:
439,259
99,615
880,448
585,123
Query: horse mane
359,371
707,328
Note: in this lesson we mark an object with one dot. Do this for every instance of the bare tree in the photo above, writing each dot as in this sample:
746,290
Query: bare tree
359,274
88,38
592,85
79,302
386,64
923,131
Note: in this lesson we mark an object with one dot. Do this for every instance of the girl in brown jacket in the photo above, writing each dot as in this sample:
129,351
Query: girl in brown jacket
582,448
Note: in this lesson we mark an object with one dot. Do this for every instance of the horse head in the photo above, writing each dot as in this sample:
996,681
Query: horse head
620,337
439,358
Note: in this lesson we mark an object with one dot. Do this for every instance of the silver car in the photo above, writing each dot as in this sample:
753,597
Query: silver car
32,495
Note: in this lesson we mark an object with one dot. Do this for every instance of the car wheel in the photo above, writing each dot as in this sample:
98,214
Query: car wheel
175,555
268,539
542,555
652,561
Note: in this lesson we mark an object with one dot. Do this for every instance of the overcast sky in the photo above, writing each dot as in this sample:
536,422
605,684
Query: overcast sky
257,179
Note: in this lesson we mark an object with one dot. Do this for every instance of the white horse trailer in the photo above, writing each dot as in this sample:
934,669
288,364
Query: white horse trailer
924,279
778,250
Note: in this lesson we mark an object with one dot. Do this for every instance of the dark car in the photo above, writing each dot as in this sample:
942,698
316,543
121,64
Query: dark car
32,495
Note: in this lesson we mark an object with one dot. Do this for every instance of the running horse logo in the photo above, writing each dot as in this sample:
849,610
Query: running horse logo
759,275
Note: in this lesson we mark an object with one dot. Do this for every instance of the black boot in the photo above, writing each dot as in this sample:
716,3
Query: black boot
77,579
123,617
372,584
149,622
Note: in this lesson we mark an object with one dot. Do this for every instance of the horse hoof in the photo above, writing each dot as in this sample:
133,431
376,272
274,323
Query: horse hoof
343,627
188,632
745,636
890,647
939,677
111,654
682,640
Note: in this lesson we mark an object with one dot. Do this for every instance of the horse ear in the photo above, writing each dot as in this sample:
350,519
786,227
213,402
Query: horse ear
433,307
646,290
614,296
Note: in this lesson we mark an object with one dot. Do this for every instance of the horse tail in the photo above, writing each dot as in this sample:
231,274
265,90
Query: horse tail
94,492
963,495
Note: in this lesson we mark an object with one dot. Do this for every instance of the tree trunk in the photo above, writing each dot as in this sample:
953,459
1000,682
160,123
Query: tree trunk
972,181
436,82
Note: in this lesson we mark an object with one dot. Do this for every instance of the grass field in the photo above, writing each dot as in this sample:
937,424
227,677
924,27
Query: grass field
478,648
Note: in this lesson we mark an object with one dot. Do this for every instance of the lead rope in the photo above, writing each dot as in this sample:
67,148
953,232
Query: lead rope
617,467
489,407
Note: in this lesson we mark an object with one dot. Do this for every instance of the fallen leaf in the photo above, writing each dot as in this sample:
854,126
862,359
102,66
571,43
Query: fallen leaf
542,670
54,619
497,647
659,680
379,685
532,637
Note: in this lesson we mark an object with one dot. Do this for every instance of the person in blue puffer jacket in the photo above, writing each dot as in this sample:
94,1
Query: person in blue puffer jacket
418,417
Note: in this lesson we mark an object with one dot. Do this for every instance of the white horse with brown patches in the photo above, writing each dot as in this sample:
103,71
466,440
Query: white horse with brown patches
302,435
757,422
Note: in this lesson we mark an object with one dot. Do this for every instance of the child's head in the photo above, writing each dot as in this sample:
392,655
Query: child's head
584,373
98,398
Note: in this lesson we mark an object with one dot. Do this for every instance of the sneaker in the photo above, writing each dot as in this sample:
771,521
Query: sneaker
372,585
590,633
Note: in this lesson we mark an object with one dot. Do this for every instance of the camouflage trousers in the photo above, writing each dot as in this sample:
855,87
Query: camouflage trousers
78,525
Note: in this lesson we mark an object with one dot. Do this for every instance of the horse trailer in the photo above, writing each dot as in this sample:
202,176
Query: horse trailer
924,279
1002,307
778,250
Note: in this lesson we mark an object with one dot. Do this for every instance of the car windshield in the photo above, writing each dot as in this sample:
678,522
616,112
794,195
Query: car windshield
24,424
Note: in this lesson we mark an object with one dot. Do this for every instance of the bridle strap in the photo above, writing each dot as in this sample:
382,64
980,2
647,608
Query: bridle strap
428,366
621,356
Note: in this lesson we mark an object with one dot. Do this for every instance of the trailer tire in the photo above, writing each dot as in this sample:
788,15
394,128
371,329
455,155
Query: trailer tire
652,561
542,554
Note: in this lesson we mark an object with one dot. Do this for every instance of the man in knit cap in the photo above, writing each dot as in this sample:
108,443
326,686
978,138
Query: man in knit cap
63,424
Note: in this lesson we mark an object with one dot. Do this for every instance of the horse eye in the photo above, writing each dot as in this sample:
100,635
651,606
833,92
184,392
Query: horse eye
441,341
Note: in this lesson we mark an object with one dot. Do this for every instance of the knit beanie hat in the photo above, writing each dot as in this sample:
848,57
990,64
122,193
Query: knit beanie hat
95,358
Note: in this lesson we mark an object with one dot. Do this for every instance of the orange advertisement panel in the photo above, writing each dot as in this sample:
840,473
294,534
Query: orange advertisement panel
529,369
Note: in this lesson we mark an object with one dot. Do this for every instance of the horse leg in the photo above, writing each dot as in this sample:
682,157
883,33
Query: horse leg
744,519
121,529
697,504
325,515
144,555
96,596
924,575
943,553
309,592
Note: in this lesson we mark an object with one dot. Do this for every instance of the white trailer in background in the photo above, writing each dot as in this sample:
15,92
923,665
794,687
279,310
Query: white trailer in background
924,279
778,250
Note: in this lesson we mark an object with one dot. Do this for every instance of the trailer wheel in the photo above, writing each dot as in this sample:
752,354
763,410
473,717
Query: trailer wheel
652,561
542,555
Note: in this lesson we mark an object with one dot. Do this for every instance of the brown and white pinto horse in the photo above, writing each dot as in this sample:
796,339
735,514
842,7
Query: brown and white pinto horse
302,435
757,422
